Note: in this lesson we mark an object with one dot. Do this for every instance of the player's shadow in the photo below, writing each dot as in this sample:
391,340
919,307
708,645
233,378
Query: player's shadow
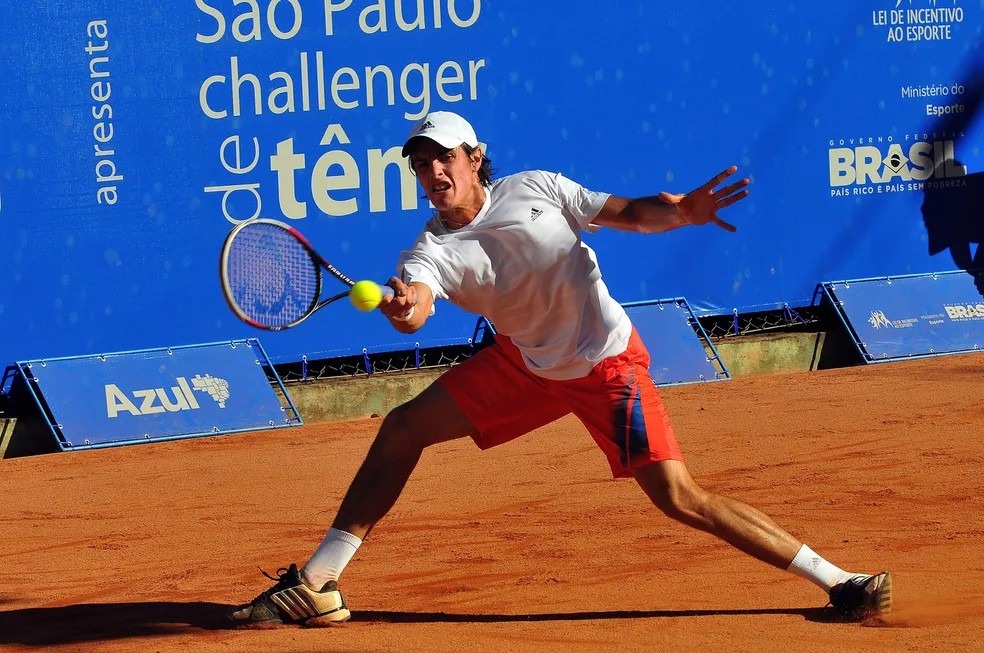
95,622
953,212
810,614
953,204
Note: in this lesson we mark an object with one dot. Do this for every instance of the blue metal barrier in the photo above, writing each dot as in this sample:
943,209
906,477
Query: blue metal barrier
681,352
909,316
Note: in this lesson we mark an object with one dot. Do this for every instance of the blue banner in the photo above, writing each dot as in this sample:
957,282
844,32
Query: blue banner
158,394
912,316
134,135
676,343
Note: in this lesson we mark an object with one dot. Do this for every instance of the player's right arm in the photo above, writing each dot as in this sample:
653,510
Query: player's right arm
410,305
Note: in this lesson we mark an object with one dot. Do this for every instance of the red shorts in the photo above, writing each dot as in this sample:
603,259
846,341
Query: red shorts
617,402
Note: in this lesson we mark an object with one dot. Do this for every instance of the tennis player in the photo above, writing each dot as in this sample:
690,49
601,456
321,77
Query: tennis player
511,250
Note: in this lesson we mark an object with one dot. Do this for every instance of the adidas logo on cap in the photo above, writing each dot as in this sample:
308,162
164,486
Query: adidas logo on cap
444,128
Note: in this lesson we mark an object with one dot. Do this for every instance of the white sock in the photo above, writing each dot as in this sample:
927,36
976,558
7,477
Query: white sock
815,569
331,557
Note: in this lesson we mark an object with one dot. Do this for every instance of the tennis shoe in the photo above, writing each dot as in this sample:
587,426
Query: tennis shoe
290,601
863,596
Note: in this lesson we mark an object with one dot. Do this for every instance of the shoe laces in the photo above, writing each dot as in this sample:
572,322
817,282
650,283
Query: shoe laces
286,577
849,596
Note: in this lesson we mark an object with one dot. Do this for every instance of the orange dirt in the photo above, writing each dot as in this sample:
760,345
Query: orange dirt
528,547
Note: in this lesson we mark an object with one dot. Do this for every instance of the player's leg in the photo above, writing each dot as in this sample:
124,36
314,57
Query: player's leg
492,397
670,487
639,441
430,418
312,592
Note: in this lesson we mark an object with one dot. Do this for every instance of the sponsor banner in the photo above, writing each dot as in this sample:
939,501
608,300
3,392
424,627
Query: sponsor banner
913,315
157,394
676,348
915,23
134,135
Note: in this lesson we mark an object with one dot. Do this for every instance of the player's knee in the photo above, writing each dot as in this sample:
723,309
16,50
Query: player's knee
401,431
681,501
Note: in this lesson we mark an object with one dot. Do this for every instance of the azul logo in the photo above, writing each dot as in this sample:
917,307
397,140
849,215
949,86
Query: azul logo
878,320
960,312
153,401
891,163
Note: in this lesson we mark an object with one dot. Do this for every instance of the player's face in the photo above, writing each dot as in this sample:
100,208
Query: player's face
448,177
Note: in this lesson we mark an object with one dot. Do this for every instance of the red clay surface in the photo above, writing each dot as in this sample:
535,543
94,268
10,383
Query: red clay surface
529,547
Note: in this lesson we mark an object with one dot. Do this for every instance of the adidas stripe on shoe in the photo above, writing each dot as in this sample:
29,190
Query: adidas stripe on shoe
863,596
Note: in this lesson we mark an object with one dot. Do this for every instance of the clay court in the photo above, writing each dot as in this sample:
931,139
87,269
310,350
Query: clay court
529,547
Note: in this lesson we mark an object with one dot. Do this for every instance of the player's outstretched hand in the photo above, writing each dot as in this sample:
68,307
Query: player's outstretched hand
399,304
701,205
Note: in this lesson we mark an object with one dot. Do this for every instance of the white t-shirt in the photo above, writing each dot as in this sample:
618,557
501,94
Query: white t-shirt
521,263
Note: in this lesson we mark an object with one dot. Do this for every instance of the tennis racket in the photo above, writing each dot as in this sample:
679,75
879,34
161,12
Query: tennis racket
272,276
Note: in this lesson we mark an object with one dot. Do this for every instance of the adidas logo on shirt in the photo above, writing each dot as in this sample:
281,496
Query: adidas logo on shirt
534,214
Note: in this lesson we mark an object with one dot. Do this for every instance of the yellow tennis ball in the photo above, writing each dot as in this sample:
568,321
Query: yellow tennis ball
366,295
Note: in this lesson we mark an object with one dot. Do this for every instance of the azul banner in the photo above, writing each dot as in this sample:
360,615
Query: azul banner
134,135
912,316
157,394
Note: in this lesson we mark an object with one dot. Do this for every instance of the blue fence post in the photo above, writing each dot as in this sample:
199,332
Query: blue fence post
791,315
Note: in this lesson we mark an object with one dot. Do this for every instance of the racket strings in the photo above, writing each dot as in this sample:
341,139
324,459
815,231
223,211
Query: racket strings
272,276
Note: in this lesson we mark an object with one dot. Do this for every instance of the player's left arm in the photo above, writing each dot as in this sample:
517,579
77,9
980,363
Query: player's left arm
666,211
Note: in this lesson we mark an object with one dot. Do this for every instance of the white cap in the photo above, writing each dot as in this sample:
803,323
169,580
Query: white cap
444,128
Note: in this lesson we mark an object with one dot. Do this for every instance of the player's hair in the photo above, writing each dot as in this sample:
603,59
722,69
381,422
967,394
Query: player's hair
485,171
